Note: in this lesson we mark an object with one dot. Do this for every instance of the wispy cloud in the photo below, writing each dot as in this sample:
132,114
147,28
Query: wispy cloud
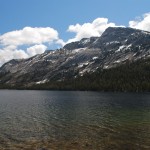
141,23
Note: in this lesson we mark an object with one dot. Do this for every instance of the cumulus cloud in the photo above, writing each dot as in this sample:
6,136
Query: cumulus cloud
35,39
36,49
141,23
29,35
86,30
60,42
7,54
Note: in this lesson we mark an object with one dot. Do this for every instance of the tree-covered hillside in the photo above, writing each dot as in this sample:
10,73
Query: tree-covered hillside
132,76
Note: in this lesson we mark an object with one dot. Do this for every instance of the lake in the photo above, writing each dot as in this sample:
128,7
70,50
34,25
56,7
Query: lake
72,120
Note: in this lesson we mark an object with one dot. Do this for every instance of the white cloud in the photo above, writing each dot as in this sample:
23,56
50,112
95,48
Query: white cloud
29,35
142,23
60,42
32,38
86,30
17,54
36,49
8,54
36,39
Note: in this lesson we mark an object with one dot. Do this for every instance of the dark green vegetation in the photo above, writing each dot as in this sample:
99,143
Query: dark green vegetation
132,76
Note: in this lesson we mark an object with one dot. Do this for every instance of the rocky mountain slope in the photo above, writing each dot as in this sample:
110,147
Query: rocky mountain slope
116,46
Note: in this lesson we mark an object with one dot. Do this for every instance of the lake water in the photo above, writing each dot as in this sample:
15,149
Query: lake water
67,120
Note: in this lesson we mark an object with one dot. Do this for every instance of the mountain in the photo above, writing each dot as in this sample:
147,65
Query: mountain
115,47
131,77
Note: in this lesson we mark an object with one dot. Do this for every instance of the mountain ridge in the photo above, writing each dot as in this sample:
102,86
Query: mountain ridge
114,47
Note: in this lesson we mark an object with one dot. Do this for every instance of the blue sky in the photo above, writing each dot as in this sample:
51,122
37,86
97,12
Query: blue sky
59,15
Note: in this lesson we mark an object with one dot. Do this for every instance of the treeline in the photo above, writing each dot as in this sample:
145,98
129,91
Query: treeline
132,76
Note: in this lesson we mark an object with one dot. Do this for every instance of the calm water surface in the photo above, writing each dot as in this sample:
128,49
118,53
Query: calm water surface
57,120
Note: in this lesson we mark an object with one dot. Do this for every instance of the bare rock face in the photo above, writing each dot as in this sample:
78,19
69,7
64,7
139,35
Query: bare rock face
116,46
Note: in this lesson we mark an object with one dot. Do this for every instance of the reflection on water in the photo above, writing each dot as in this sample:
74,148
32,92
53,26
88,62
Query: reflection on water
74,120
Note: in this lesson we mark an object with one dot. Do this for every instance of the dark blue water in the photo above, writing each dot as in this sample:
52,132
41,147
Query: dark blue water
74,120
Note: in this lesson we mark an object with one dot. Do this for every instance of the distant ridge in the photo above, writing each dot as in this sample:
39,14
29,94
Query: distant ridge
115,47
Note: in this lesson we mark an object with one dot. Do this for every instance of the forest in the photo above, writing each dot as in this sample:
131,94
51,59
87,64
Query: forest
132,76
129,77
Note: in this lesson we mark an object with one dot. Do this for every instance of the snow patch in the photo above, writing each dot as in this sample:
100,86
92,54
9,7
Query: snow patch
47,55
105,67
95,41
120,48
10,64
112,42
83,64
41,82
94,58
77,50
145,32
117,61
84,71
85,41
52,61
129,46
